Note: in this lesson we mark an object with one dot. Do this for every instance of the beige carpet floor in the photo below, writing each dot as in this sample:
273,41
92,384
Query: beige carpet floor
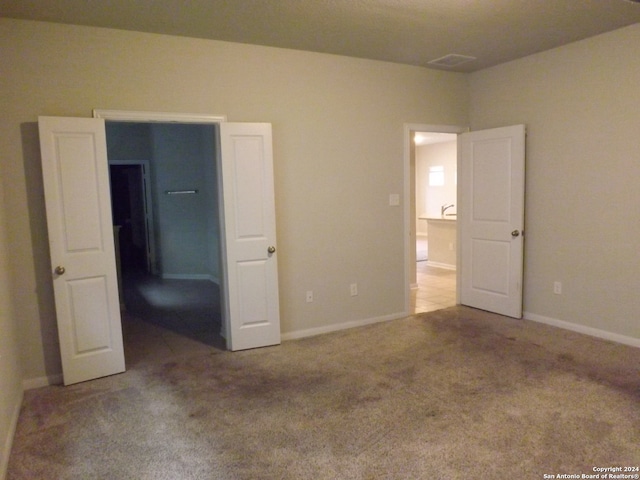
451,394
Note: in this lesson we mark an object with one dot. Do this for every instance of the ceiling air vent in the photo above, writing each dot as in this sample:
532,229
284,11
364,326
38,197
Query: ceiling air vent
451,60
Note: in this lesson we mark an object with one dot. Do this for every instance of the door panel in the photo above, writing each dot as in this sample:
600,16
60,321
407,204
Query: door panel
252,280
487,257
89,314
77,198
253,313
81,219
491,219
491,182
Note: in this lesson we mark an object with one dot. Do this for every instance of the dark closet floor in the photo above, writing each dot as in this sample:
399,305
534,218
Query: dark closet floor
166,317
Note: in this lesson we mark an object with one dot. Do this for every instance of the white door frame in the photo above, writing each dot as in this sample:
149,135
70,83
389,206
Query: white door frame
148,210
409,224
161,117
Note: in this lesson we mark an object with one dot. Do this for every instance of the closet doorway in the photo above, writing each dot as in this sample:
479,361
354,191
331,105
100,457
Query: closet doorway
165,216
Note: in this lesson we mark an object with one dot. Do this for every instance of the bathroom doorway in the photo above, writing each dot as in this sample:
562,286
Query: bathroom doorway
432,218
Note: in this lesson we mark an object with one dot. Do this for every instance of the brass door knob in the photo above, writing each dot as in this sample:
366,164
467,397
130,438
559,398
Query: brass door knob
515,233
59,270
271,249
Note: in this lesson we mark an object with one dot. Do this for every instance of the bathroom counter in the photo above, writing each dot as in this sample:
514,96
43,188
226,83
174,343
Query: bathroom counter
441,234
440,219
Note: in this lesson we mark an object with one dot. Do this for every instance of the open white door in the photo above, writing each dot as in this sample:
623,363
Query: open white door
252,310
77,197
491,219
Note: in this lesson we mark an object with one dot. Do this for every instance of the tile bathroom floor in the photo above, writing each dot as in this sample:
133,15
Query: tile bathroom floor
436,288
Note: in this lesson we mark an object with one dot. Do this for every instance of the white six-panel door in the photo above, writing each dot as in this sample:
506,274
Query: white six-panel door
250,236
77,197
492,219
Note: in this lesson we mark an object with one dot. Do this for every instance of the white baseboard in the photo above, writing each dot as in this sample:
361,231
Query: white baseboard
446,266
593,332
31,383
311,332
8,441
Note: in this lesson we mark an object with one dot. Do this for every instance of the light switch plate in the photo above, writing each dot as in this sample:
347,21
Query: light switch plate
394,199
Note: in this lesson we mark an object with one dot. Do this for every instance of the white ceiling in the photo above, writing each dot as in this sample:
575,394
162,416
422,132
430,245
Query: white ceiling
413,32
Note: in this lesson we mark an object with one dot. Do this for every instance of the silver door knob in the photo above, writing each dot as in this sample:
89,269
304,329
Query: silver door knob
271,249
59,270
515,233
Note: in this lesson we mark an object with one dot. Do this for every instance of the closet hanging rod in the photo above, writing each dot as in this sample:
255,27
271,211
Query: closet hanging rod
181,192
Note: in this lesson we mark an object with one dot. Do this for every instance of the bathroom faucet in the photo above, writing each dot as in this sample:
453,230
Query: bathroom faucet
444,208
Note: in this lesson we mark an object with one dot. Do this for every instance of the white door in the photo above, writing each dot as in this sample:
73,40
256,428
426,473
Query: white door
81,242
491,219
252,306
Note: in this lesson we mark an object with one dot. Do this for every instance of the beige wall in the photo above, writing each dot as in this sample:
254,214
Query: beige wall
581,105
338,147
10,369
